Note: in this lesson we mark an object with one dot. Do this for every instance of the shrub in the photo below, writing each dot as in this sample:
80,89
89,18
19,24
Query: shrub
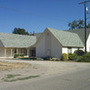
51,58
64,57
84,58
18,55
72,56
88,53
46,58
79,52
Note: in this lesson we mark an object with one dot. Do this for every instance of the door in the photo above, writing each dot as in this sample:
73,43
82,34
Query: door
33,52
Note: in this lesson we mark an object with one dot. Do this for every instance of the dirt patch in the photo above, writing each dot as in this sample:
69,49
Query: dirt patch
17,71
13,65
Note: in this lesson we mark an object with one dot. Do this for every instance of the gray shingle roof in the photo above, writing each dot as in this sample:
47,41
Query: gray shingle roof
14,40
81,32
67,38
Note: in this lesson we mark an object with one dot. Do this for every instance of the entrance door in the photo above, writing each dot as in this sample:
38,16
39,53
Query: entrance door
33,52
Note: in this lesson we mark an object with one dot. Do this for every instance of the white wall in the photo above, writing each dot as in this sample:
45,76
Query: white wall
48,46
66,50
74,49
40,47
88,43
56,48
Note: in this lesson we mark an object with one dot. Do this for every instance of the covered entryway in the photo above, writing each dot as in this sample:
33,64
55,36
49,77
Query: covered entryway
33,52
10,52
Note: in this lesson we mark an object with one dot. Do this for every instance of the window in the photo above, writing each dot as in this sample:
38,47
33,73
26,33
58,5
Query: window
69,50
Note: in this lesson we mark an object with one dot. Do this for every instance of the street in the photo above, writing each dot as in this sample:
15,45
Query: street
79,80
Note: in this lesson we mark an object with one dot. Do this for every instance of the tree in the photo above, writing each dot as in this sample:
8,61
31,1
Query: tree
76,24
80,23
20,31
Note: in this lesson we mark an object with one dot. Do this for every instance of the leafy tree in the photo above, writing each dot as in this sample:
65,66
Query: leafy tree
20,31
76,24
80,24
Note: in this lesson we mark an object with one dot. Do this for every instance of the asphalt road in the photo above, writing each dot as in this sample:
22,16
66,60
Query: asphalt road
72,81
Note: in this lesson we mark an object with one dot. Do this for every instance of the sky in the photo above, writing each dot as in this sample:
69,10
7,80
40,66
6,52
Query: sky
36,15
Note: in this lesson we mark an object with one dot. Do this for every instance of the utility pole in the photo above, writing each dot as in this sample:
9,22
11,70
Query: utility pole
85,18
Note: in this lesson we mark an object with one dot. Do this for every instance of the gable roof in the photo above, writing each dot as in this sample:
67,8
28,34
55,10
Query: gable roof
67,38
14,40
81,32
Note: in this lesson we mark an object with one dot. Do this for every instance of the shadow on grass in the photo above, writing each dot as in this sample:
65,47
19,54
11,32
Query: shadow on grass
8,78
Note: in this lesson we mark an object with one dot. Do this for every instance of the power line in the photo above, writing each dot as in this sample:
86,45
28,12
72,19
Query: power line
34,14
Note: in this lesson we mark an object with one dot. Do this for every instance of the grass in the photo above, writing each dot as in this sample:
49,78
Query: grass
10,77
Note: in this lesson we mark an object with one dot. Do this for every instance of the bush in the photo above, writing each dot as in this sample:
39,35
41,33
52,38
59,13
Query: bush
64,57
46,58
18,55
79,52
72,56
51,58
84,58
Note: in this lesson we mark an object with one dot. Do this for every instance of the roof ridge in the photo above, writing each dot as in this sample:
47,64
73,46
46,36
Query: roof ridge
15,34
61,30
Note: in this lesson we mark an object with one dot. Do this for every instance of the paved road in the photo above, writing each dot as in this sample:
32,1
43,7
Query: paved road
73,81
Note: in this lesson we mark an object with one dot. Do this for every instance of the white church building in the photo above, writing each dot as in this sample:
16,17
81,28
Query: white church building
50,43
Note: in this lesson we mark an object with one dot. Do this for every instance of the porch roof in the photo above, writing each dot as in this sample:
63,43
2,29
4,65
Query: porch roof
14,40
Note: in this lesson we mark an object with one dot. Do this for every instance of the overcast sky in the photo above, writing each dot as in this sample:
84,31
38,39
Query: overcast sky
36,15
